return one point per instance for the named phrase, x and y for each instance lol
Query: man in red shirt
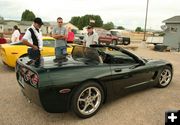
(2, 39)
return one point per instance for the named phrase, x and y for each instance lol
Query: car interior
(104, 55)
(87, 55)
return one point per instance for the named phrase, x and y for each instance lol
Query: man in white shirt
(16, 34)
(33, 39)
(91, 37)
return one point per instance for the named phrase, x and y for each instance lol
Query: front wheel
(87, 100)
(165, 77)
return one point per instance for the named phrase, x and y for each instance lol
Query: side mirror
(141, 62)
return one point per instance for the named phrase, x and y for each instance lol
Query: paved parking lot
(142, 108)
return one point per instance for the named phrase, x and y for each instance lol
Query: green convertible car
(88, 78)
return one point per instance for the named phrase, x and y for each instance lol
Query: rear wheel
(87, 100)
(165, 77)
(114, 42)
(126, 41)
(4, 63)
(107, 43)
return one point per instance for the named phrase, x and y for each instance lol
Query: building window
(173, 29)
(10, 29)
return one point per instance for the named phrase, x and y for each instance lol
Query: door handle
(118, 70)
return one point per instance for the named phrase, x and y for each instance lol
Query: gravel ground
(142, 108)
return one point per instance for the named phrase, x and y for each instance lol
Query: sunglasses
(60, 22)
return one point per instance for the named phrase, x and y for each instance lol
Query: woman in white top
(16, 34)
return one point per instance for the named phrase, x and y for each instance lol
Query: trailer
(154, 40)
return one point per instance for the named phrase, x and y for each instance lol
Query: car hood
(156, 62)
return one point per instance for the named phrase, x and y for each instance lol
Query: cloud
(127, 13)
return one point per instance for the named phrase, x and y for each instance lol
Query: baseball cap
(38, 21)
(89, 27)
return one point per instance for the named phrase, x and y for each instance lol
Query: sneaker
(64, 59)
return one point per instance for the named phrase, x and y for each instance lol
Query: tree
(83, 21)
(98, 21)
(27, 15)
(120, 27)
(108, 26)
(139, 29)
(75, 20)
(1, 18)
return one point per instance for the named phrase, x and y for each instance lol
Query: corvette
(11, 52)
(89, 78)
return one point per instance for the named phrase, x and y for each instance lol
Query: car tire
(126, 41)
(87, 100)
(107, 44)
(4, 63)
(165, 77)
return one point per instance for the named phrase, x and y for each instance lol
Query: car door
(108, 37)
(127, 73)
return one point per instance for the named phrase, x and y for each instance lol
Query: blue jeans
(60, 52)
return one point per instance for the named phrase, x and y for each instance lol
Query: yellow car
(11, 52)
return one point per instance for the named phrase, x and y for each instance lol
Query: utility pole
(144, 39)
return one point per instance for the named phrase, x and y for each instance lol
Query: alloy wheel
(89, 100)
(165, 77)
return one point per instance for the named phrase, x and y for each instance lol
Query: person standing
(60, 34)
(2, 39)
(70, 37)
(91, 37)
(16, 34)
(33, 39)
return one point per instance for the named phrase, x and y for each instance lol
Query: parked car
(122, 39)
(78, 39)
(107, 38)
(11, 52)
(89, 78)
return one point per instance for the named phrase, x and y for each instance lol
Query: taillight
(22, 70)
(27, 76)
(34, 79)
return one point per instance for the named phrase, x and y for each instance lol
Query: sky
(127, 13)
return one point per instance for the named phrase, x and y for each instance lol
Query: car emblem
(63, 91)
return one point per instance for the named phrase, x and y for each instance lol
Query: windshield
(115, 33)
